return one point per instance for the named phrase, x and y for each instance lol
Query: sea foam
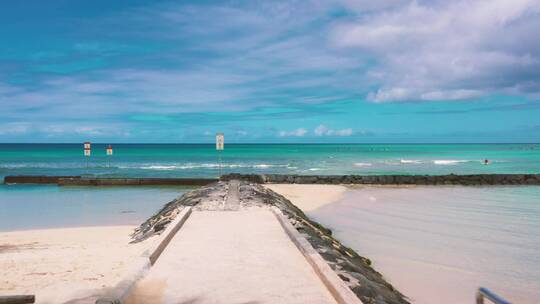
(449, 161)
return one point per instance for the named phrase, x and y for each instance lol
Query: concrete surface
(240, 256)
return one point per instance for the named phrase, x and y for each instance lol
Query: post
(109, 154)
(220, 145)
(87, 151)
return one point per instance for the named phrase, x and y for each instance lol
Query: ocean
(24, 207)
(42, 206)
(202, 160)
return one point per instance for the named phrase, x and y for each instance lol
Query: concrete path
(233, 201)
(241, 256)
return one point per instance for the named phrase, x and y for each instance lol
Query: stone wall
(450, 179)
(35, 179)
(83, 181)
(135, 181)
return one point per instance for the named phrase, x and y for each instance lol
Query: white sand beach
(309, 197)
(63, 264)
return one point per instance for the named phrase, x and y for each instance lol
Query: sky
(335, 71)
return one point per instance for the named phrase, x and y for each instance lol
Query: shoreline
(84, 226)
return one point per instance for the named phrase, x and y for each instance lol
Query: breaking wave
(209, 166)
(410, 161)
(449, 161)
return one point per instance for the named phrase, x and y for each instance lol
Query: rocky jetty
(449, 179)
(214, 193)
(354, 270)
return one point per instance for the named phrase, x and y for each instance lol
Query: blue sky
(270, 71)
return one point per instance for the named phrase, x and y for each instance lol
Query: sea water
(25, 207)
(202, 160)
(439, 244)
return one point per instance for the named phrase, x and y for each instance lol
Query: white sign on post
(87, 148)
(220, 144)
(220, 141)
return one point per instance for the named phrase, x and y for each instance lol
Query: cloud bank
(448, 50)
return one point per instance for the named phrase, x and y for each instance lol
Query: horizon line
(274, 143)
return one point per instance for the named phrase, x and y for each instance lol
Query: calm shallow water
(48, 206)
(438, 244)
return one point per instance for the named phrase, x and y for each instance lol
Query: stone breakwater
(93, 181)
(450, 179)
(356, 271)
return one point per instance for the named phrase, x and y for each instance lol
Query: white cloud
(344, 132)
(323, 130)
(447, 50)
(14, 128)
(407, 94)
(298, 133)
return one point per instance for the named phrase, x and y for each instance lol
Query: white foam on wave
(160, 167)
(263, 166)
(449, 161)
(410, 161)
(362, 164)
(208, 166)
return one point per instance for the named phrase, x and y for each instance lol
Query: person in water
(486, 161)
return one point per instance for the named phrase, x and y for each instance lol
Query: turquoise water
(27, 206)
(191, 160)
(48, 206)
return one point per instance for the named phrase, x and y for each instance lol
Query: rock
(450, 179)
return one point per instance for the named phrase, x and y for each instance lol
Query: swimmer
(486, 161)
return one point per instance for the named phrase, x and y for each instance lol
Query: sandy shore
(58, 265)
(309, 197)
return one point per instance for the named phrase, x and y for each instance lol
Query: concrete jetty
(230, 251)
(239, 256)
(231, 234)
